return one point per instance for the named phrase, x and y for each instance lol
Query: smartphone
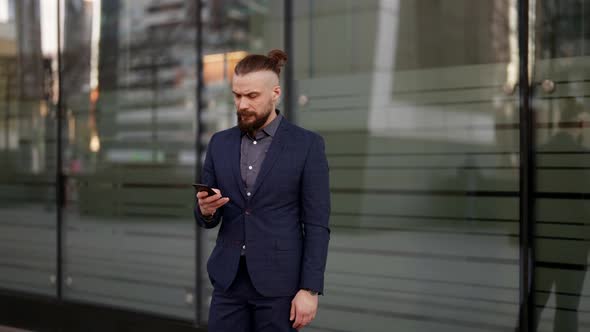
(203, 187)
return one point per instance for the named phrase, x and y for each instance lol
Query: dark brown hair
(274, 61)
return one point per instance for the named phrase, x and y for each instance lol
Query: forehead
(255, 81)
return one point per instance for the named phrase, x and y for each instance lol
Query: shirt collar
(270, 129)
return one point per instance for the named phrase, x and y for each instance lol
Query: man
(272, 205)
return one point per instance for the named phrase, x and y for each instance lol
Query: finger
(210, 199)
(298, 320)
(304, 321)
(219, 203)
(216, 190)
(212, 207)
(292, 316)
(295, 321)
(201, 193)
(202, 197)
(209, 205)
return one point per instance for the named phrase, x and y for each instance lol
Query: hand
(303, 309)
(208, 205)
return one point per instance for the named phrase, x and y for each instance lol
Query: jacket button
(248, 212)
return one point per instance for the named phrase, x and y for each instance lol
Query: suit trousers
(242, 309)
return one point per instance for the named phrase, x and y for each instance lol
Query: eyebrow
(245, 93)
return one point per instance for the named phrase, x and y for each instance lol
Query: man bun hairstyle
(274, 61)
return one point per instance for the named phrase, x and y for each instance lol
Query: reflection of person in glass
(567, 277)
(273, 205)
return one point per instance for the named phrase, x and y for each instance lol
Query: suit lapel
(276, 147)
(235, 151)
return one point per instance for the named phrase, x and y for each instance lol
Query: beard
(259, 120)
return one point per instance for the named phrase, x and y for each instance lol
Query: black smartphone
(203, 187)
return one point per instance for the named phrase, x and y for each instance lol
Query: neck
(272, 116)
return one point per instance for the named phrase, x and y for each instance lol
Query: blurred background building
(460, 196)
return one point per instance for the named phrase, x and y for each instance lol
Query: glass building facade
(456, 133)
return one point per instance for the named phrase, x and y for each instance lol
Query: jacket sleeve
(208, 178)
(315, 205)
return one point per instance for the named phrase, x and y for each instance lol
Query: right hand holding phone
(210, 204)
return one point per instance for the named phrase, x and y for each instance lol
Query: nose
(242, 104)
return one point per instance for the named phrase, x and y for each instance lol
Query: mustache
(244, 112)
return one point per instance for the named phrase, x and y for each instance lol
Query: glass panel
(422, 136)
(561, 88)
(231, 30)
(27, 146)
(129, 90)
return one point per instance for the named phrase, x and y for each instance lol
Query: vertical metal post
(311, 36)
(60, 185)
(288, 76)
(7, 97)
(527, 175)
(199, 106)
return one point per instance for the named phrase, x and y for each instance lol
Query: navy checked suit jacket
(283, 224)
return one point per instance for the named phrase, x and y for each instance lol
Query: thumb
(292, 317)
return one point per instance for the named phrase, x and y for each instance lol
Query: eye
(252, 95)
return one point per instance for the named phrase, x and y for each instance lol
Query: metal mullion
(60, 177)
(200, 104)
(527, 175)
(289, 109)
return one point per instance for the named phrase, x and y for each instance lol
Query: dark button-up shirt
(253, 152)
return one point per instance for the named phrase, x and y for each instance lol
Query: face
(255, 97)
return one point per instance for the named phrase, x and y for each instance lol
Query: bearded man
(272, 206)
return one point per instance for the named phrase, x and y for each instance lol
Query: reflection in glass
(562, 112)
(563, 243)
(27, 150)
(422, 140)
(129, 92)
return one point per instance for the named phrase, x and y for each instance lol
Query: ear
(276, 93)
